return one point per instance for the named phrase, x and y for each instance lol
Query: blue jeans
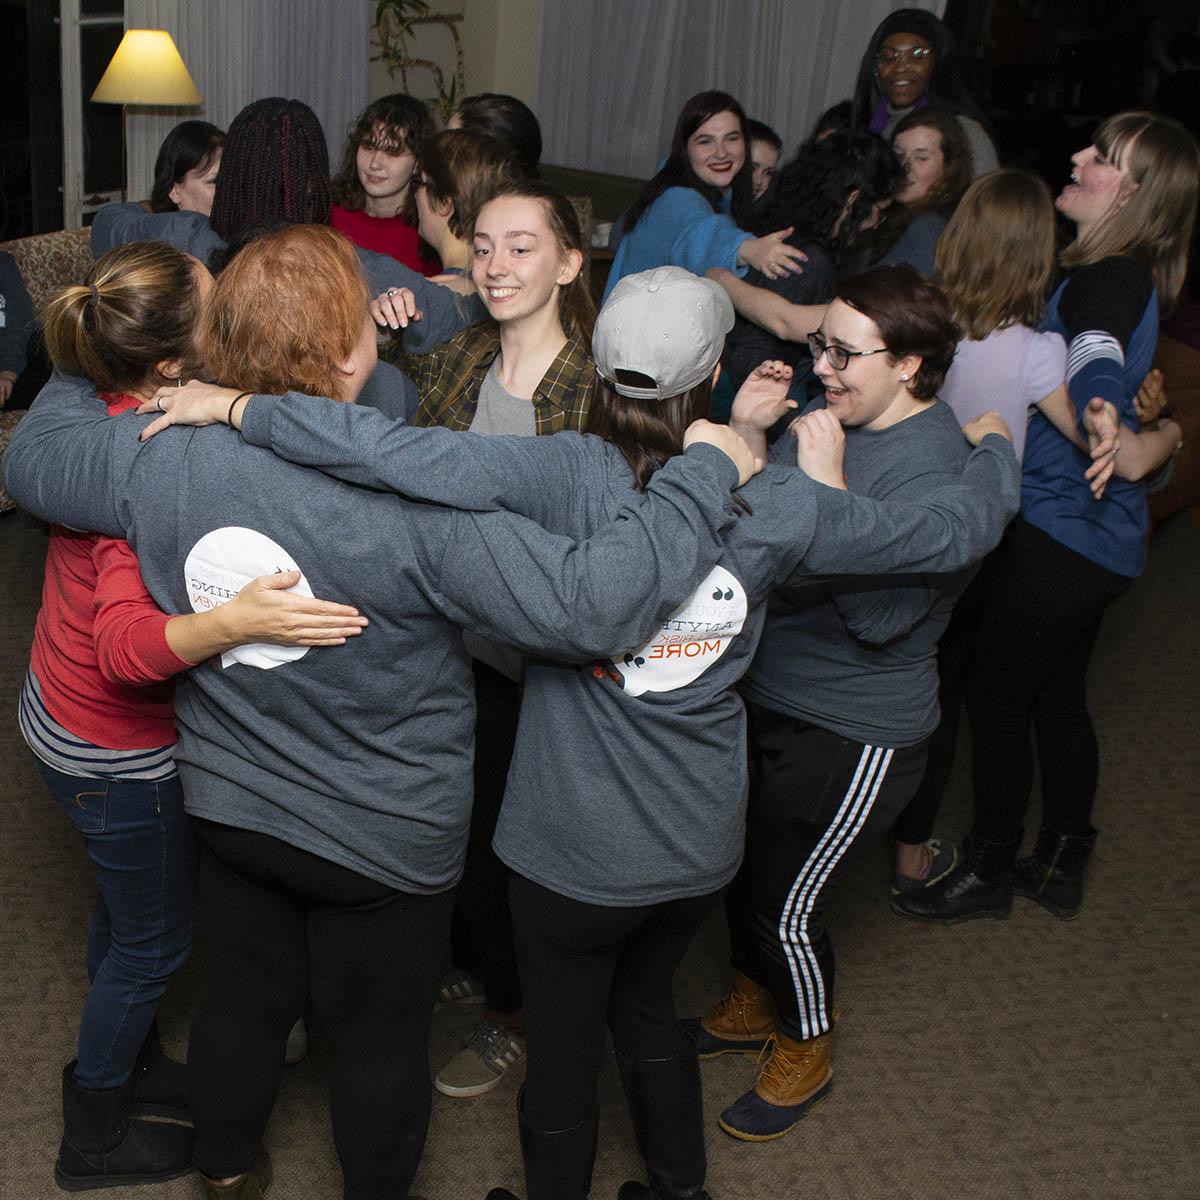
(143, 854)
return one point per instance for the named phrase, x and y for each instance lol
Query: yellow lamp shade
(146, 69)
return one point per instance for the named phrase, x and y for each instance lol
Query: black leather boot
(558, 1163)
(1053, 875)
(980, 886)
(159, 1083)
(667, 1111)
(103, 1147)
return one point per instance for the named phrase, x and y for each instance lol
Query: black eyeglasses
(914, 54)
(838, 356)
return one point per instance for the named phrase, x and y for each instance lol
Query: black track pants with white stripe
(817, 801)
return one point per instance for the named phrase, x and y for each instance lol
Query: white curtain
(243, 50)
(613, 74)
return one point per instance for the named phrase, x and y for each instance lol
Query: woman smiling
(690, 214)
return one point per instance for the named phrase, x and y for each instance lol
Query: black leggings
(481, 937)
(284, 924)
(915, 823)
(1031, 657)
(582, 966)
(817, 801)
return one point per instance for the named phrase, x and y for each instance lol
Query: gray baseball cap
(667, 324)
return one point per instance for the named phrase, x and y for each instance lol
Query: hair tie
(94, 290)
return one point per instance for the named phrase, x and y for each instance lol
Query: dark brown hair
(465, 169)
(677, 170)
(190, 146)
(912, 316)
(511, 122)
(406, 124)
(137, 308)
(647, 432)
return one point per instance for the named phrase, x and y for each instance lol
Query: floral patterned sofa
(48, 262)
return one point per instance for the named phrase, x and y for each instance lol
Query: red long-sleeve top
(100, 647)
(387, 235)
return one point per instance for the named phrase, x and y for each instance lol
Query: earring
(905, 378)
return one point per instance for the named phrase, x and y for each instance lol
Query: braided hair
(276, 164)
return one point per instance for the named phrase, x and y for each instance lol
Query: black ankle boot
(980, 886)
(103, 1147)
(667, 1111)
(1053, 875)
(558, 1163)
(159, 1083)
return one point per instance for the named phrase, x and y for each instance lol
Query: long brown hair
(647, 432)
(1157, 213)
(137, 308)
(285, 312)
(576, 308)
(995, 258)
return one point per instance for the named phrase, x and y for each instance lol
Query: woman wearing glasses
(841, 696)
(911, 62)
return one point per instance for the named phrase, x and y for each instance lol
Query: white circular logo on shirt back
(690, 640)
(220, 564)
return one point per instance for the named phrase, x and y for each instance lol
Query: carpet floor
(996, 1060)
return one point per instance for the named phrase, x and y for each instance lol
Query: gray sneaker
(458, 987)
(490, 1051)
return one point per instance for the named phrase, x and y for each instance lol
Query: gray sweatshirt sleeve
(67, 456)
(527, 475)
(118, 224)
(506, 578)
(879, 608)
(946, 530)
(444, 312)
(16, 316)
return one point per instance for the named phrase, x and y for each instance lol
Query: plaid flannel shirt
(449, 378)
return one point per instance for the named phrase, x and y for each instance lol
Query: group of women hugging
(431, 707)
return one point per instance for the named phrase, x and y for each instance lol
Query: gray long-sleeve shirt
(362, 753)
(444, 311)
(628, 781)
(859, 655)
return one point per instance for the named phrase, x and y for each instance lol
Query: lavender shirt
(1008, 372)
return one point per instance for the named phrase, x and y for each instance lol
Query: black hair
(811, 191)
(275, 164)
(407, 125)
(511, 122)
(759, 131)
(190, 146)
(837, 118)
(677, 170)
(946, 86)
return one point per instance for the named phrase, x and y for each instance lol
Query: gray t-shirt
(360, 754)
(858, 655)
(499, 411)
(628, 782)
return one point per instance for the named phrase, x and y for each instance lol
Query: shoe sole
(987, 914)
(1055, 910)
(460, 1091)
(806, 1106)
(751, 1051)
(88, 1183)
